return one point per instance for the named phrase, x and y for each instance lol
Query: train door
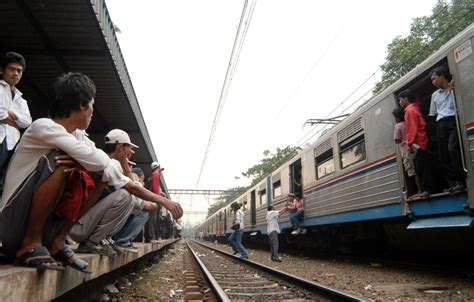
(422, 88)
(296, 185)
(253, 208)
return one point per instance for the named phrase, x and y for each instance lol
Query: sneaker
(114, 245)
(102, 248)
(244, 257)
(235, 253)
(296, 232)
(129, 248)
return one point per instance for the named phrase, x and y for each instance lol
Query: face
(12, 74)
(437, 80)
(86, 115)
(403, 102)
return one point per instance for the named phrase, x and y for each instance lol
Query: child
(399, 135)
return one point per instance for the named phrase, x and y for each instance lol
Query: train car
(353, 181)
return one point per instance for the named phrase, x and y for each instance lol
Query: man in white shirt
(273, 229)
(37, 177)
(110, 213)
(14, 112)
(235, 239)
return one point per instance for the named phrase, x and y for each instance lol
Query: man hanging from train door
(444, 107)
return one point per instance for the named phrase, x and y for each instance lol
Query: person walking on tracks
(235, 239)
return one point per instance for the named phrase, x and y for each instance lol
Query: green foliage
(427, 34)
(256, 173)
(270, 163)
(224, 200)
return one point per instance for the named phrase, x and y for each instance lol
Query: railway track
(232, 278)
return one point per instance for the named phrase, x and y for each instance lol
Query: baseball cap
(154, 165)
(118, 136)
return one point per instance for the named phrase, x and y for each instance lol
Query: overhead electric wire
(361, 85)
(235, 54)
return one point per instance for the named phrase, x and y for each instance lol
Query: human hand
(66, 160)
(150, 207)
(174, 208)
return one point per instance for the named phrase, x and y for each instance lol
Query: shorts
(14, 217)
(408, 163)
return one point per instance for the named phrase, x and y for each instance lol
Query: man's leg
(130, 230)
(104, 219)
(238, 243)
(150, 230)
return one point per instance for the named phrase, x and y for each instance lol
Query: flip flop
(69, 258)
(37, 257)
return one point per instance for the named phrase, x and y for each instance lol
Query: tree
(256, 173)
(224, 200)
(270, 163)
(427, 34)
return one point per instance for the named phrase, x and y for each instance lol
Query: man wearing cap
(136, 221)
(105, 220)
(152, 230)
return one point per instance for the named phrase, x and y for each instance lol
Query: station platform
(29, 284)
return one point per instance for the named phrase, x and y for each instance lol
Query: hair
(399, 113)
(109, 148)
(407, 94)
(138, 171)
(270, 208)
(13, 57)
(69, 92)
(442, 71)
(235, 205)
(297, 195)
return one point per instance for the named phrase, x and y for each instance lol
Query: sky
(300, 60)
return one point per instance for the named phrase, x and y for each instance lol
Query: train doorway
(253, 208)
(422, 88)
(296, 185)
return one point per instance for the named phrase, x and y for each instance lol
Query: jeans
(295, 219)
(131, 229)
(235, 240)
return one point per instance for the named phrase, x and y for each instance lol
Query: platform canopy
(58, 36)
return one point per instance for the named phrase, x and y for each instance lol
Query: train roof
(60, 36)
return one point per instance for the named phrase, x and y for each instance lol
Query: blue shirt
(442, 104)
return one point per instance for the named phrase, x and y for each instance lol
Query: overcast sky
(300, 59)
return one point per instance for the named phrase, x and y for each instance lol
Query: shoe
(276, 259)
(114, 245)
(129, 248)
(425, 194)
(459, 187)
(154, 241)
(102, 248)
(244, 257)
(296, 232)
(235, 253)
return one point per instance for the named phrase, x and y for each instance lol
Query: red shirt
(154, 184)
(416, 127)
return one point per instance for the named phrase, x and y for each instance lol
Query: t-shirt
(400, 132)
(272, 221)
(41, 137)
(239, 218)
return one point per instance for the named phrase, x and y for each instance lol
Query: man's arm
(141, 192)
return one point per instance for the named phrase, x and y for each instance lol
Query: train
(353, 181)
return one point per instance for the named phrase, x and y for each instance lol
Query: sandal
(38, 257)
(69, 258)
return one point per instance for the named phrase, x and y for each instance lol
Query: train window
(324, 164)
(277, 189)
(352, 150)
(263, 195)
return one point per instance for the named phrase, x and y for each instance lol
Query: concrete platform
(29, 284)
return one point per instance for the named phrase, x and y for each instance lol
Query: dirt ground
(373, 281)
